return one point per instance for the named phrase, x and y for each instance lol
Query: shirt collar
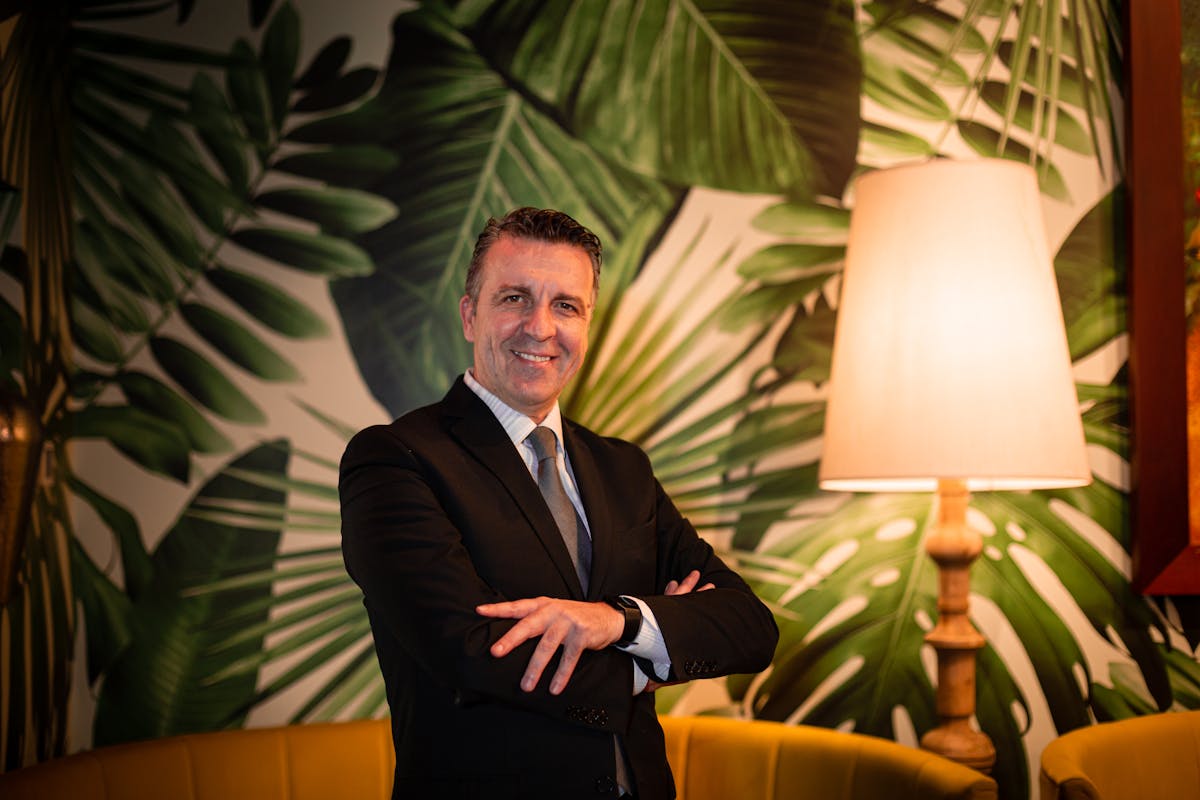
(517, 425)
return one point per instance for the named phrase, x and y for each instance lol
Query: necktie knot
(543, 441)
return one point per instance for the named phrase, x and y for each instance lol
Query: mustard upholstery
(721, 759)
(1155, 757)
(724, 759)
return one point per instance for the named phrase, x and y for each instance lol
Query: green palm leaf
(268, 304)
(1058, 63)
(168, 678)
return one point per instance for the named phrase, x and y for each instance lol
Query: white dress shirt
(649, 643)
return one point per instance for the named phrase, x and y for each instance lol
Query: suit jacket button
(605, 785)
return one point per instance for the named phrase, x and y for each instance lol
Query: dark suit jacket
(440, 514)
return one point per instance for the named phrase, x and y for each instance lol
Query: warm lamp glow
(950, 358)
(951, 372)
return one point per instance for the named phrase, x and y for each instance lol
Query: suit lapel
(596, 504)
(475, 427)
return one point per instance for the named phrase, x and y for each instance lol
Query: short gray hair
(540, 225)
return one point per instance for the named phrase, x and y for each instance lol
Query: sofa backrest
(352, 760)
(712, 758)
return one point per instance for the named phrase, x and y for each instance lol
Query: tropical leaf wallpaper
(257, 216)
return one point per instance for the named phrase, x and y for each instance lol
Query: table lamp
(951, 373)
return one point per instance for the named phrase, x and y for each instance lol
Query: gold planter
(20, 454)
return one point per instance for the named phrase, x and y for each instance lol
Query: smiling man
(528, 582)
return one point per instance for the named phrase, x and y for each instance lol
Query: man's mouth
(530, 357)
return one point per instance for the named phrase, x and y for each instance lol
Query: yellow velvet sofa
(715, 758)
(1155, 757)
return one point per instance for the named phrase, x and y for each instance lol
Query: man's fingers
(684, 586)
(511, 609)
(566, 668)
(538, 661)
(569, 624)
(526, 628)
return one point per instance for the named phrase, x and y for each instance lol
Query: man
(528, 591)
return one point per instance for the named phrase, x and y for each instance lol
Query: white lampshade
(950, 359)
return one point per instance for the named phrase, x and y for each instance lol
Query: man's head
(530, 291)
(540, 225)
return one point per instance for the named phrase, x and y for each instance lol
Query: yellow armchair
(717, 759)
(1156, 757)
(726, 759)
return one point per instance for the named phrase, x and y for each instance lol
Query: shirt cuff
(649, 645)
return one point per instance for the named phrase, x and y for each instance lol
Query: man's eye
(512, 298)
(569, 308)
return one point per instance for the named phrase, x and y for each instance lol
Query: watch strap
(633, 618)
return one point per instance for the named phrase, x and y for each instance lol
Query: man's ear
(466, 310)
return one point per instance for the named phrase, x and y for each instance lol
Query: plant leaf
(791, 72)
(268, 304)
(337, 211)
(154, 443)
(312, 252)
(1067, 132)
(204, 382)
(280, 53)
(214, 122)
(238, 343)
(247, 87)
(327, 64)
(154, 397)
(350, 165)
(126, 46)
(94, 334)
(162, 682)
(338, 92)
(986, 141)
(108, 611)
(1091, 273)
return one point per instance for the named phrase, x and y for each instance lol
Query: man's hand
(573, 625)
(685, 586)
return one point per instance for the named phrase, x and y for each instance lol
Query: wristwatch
(633, 618)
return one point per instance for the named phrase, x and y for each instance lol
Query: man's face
(530, 323)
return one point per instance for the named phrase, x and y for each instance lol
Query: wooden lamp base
(954, 546)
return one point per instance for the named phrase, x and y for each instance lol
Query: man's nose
(539, 324)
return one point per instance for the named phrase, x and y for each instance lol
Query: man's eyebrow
(510, 288)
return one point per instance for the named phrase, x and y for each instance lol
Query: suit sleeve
(722, 631)
(421, 589)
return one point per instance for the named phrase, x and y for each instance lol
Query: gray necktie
(573, 531)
